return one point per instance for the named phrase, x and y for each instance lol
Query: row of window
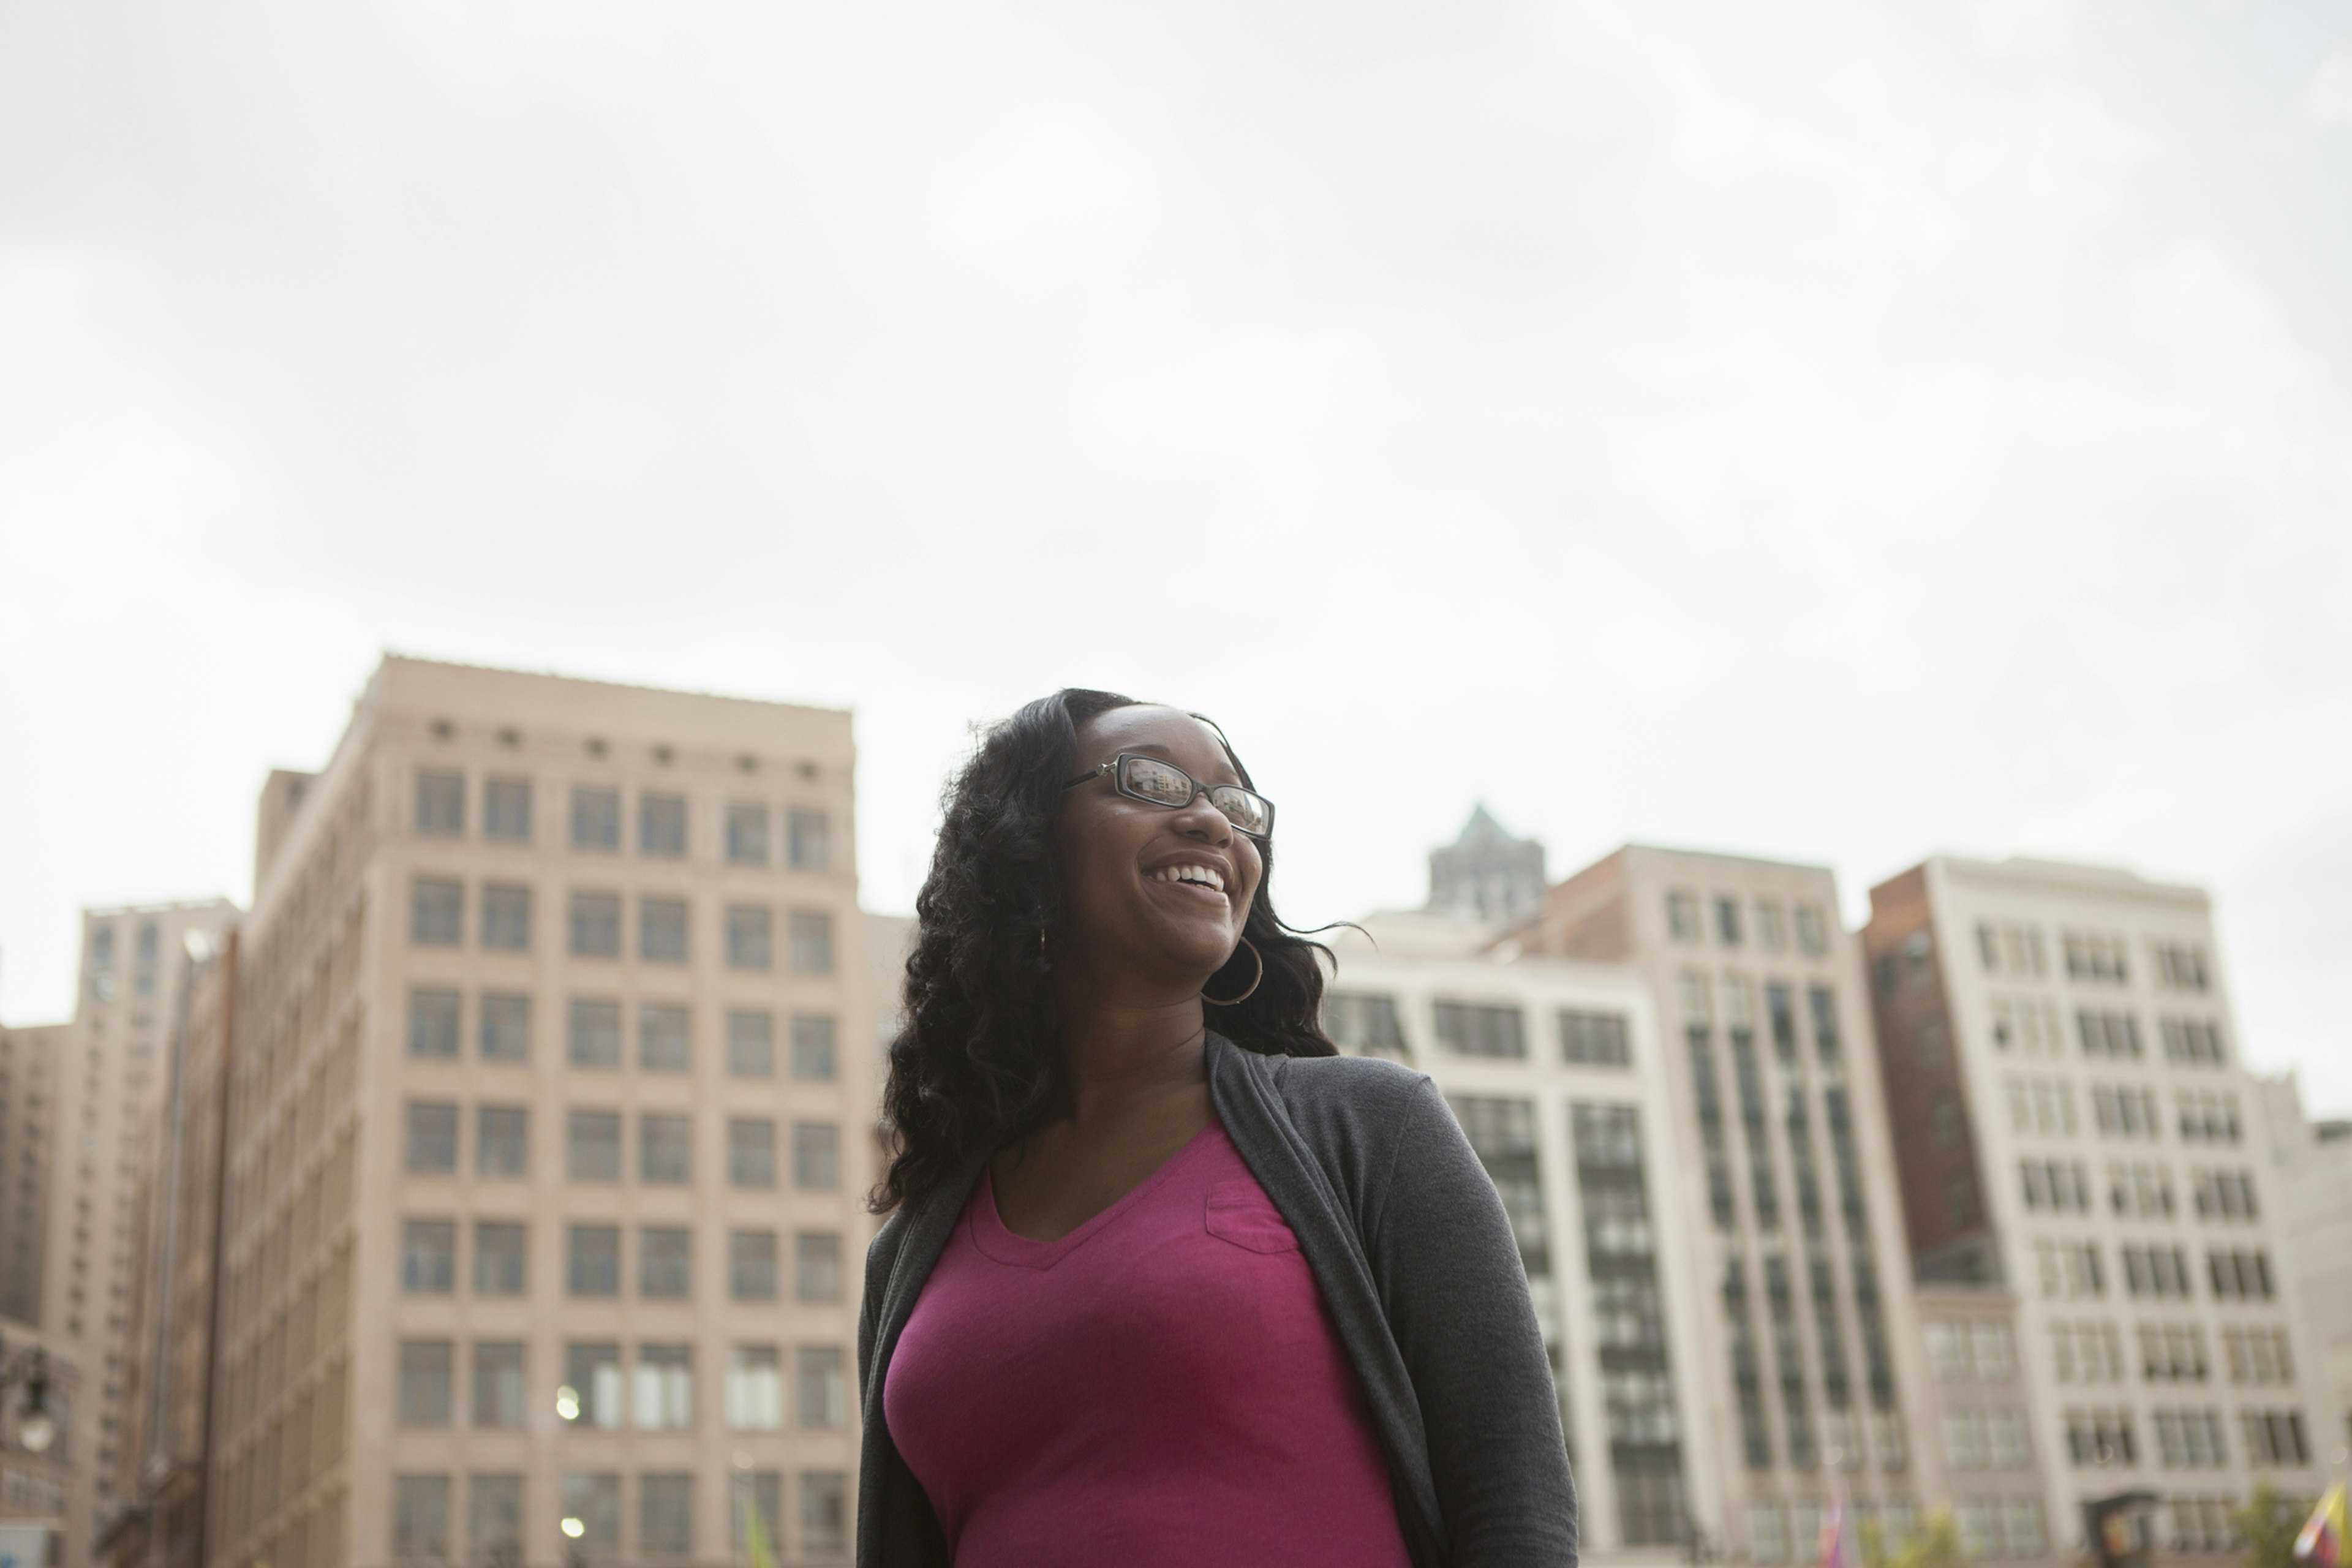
(656, 1395)
(2195, 1042)
(1368, 1023)
(1991, 1439)
(593, 1261)
(591, 1146)
(2092, 1352)
(1729, 920)
(2044, 1107)
(1970, 1352)
(2076, 1269)
(589, 1517)
(592, 1033)
(2138, 1189)
(593, 926)
(2190, 1439)
(596, 818)
(2016, 949)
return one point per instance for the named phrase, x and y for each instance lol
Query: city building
(135, 965)
(159, 1487)
(545, 1159)
(1805, 1368)
(1487, 875)
(2311, 1184)
(29, 1104)
(2057, 1043)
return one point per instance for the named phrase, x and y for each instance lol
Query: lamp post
(36, 1425)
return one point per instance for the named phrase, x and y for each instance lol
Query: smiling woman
(1166, 1280)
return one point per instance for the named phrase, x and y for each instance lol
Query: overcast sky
(1832, 431)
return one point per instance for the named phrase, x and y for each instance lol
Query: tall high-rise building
(547, 1135)
(1804, 1363)
(2081, 1137)
(132, 985)
(28, 1114)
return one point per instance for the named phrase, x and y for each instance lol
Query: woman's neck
(1126, 1053)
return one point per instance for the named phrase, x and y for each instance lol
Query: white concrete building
(2059, 1051)
(2311, 1186)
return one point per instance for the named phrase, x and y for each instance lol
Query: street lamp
(37, 1426)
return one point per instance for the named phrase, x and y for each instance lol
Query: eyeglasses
(1157, 783)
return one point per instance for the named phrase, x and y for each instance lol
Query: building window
(595, 925)
(424, 1395)
(420, 1519)
(751, 1044)
(593, 1260)
(754, 1391)
(1469, 1029)
(593, 1033)
(2274, 1437)
(665, 1037)
(437, 912)
(591, 1514)
(2181, 967)
(1821, 1002)
(501, 1257)
(752, 1151)
(494, 1518)
(824, 1513)
(816, 1266)
(441, 804)
(821, 1372)
(662, 1147)
(428, 1256)
(2111, 1035)
(1812, 936)
(749, 942)
(665, 1391)
(747, 833)
(808, 942)
(661, 930)
(752, 1265)
(595, 818)
(506, 917)
(1771, 926)
(2095, 956)
(2195, 1041)
(592, 1146)
(1364, 1024)
(433, 1023)
(661, 824)
(2239, 1276)
(1597, 1040)
(1501, 1131)
(666, 1515)
(432, 1141)
(810, 844)
(1682, 917)
(505, 810)
(816, 1159)
(813, 1047)
(1727, 921)
(498, 1383)
(505, 1027)
(591, 1394)
(665, 1263)
(501, 1140)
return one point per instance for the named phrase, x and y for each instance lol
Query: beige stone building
(36, 1477)
(1806, 1372)
(2078, 1131)
(2311, 1183)
(133, 986)
(546, 1151)
(28, 1114)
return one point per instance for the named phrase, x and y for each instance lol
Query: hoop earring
(1253, 985)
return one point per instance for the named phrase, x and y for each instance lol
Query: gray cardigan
(1417, 1264)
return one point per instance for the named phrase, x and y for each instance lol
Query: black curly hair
(978, 1061)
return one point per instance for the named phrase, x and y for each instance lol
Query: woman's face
(1119, 859)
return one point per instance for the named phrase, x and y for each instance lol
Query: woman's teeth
(1206, 876)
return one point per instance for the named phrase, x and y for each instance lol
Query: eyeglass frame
(1198, 789)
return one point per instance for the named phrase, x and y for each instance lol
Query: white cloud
(2327, 98)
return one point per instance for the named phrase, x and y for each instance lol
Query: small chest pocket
(1242, 1214)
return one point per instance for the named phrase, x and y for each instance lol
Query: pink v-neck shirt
(1162, 1386)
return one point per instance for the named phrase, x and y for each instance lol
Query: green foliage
(2269, 1524)
(1932, 1541)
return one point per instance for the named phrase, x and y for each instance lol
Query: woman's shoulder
(1354, 1112)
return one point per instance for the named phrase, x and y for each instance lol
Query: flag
(1837, 1550)
(2321, 1544)
(755, 1534)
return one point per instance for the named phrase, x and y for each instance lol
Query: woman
(1166, 1281)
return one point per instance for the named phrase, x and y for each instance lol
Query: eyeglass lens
(1164, 783)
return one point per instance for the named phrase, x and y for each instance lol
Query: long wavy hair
(978, 1061)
